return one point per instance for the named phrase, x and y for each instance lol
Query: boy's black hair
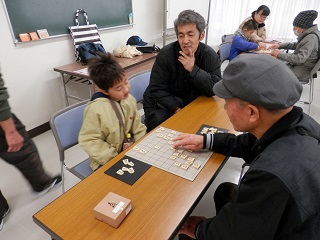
(250, 25)
(105, 71)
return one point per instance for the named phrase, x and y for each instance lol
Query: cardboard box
(112, 209)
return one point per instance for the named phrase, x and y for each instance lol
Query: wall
(35, 89)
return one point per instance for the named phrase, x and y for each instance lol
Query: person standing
(183, 71)
(17, 149)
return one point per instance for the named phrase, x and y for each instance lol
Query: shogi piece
(112, 209)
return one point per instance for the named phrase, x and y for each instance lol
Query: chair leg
(311, 85)
(62, 176)
(310, 97)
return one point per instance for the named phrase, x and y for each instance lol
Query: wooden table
(70, 72)
(161, 201)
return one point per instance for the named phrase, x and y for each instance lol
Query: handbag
(89, 50)
(150, 48)
(82, 34)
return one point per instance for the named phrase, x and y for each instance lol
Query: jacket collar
(285, 124)
(98, 95)
(240, 33)
(260, 25)
(308, 31)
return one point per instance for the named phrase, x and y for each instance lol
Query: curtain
(226, 16)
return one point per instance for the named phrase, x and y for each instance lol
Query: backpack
(89, 50)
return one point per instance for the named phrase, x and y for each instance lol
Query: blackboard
(57, 15)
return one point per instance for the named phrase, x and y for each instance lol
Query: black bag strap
(318, 42)
(113, 104)
(76, 19)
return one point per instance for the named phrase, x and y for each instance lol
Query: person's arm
(13, 138)
(94, 134)
(242, 45)
(225, 143)
(256, 214)
(302, 52)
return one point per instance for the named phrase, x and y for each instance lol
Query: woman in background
(259, 16)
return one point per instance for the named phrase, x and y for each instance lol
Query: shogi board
(156, 150)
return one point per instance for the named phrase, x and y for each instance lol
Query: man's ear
(202, 35)
(254, 113)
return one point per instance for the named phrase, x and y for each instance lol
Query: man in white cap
(278, 197)
(306, 49)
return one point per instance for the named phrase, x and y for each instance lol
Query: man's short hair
(105, 71)
(190, 16)
(261, 80)
(250, 25)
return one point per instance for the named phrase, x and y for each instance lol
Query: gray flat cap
(261, 80)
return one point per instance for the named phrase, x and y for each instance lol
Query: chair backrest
(66, 125)
(139, 82)
(315, 69)
(226, 37)
(224, 50)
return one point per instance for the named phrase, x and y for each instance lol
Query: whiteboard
(174, 7)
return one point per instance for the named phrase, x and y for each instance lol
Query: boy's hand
(262, 46)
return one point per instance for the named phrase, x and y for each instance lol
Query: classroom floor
(19, 224)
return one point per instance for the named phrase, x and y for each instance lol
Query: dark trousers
(225, 193)
(154, 117)
(27, 160)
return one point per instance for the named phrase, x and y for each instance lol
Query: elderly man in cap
(306, 49)
(278, 197)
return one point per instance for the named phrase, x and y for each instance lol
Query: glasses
(263, 17)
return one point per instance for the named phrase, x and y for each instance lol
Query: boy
(102, 135)
(241, 40)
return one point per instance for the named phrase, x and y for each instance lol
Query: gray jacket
(305, 54)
